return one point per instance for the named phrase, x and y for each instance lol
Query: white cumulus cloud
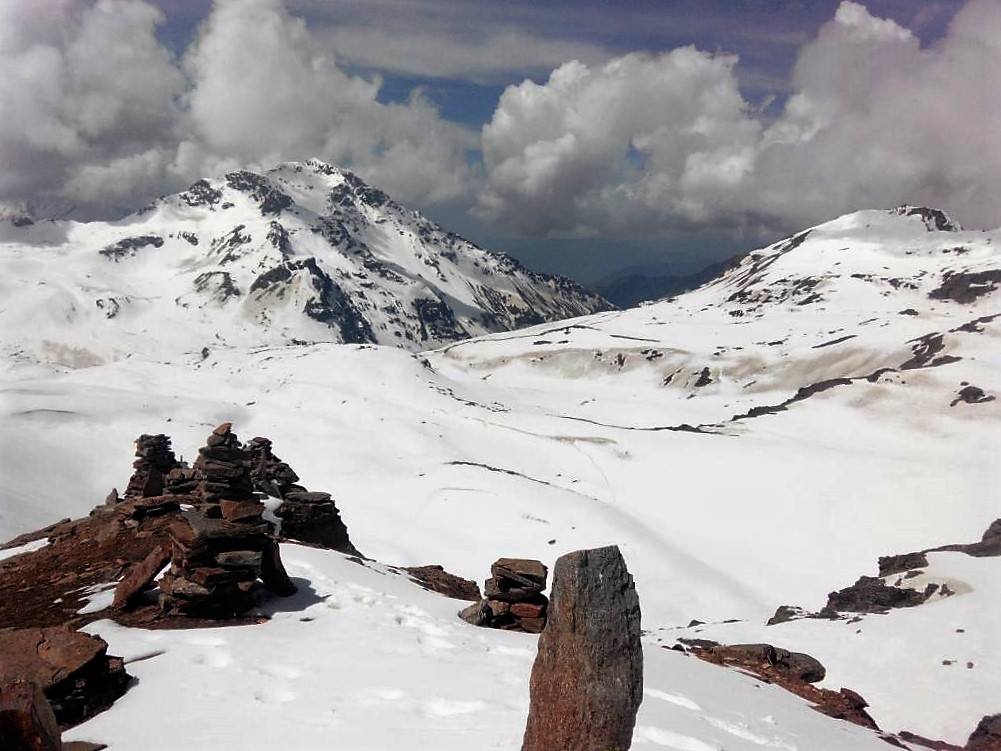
(654, 143)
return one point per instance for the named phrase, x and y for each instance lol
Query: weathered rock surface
(26, 719)
(313, 518)
(140, 577)
(987, 735)
(437, 579)
(587, 681)
(73, 669)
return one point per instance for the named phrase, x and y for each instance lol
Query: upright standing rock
(154, 461)
(587, 681)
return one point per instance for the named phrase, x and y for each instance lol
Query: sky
(584, 137)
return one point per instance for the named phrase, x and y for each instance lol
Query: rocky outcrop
(437, 579)
(587, 681)
(796, 672)
(513, 598)
(26, 719)
(71, 668)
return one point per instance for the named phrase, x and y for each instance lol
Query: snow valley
(758, 442)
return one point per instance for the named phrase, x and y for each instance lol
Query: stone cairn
(154, 461)
(220, 548)
(513, 597)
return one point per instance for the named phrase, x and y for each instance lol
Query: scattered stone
(26, 719)
(73, 669)
(786, 613)
(871, 594)
(587, 680)
(437, 579)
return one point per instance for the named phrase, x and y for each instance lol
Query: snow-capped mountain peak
(303, 252)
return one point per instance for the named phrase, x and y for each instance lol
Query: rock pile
(313, 518)
(437, 579)
(154, 461)
(587, 680)
(513, 598)
(987, 735)
(220, 549)
(269, 474)
(223, 468)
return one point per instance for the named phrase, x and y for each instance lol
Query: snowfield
(757, 442)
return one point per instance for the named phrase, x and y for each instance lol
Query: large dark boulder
(587, 681)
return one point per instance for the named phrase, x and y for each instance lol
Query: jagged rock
(587, 681)
(477, 614)
(437, 579)
(140, 577)
(73, 669)
(154, 460)
(987, 735)
(786, 613)
(27, 722)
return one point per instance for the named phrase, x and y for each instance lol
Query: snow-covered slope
(304, 252)
(757, 442)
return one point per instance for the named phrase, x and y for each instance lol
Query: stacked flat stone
(220, 549)
(513, 597)
(270, 474)
(154, 461)
(312, 517)
(223, 469)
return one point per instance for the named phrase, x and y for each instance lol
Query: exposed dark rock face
(270, 474)
(966, 287)
(987, 735)
(437, 579)
(154, 461)
(871, 594)
(971, 395)
(924, 349)
(587, 681)
(129, 246)
(73, 669)
(513, 597)
(26, 719)
(934, 219)
(201, 193)
(269, 198)
(437, 321)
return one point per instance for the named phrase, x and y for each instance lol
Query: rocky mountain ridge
(304, 252)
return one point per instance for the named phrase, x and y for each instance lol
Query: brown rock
(527, 609)
(587, 681)
(477, 614)
(273, 571)
(987, 736)
(72, 668)
(524, 571)
(437, 579)
(241, 510)
(140, 577)
(26, 719)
